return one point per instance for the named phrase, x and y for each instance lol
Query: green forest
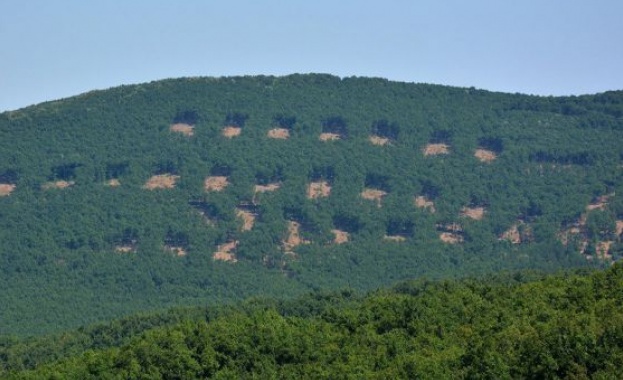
(524, 325)
(208, 191)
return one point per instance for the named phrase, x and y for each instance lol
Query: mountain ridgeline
(210, 190)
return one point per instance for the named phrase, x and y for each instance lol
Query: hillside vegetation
(519, 327)
(209, 190)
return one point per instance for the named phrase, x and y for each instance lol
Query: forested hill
(506, 327)
(210, 190)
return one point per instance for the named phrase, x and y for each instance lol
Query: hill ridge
(497, 162)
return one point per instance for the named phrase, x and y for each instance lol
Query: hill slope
(564, 326)
(207, 190)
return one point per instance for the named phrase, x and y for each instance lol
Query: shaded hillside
(563, 326)
(207, 190)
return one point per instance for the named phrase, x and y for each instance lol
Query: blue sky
(58, 48)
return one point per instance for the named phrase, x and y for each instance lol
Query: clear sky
(52, 49)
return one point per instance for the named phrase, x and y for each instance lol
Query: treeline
(511, 326)
(82, 239)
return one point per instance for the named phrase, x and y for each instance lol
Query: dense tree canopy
(210, 190)
(521, 326)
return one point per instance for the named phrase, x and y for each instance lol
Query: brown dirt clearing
(294, 238)
(6, 189)
(230, 132)
(161, 181)
(329, 136)
(435, 149)
(603, 250)
(113, 182)
(224, 252)
(185, 129)
(279, 133)
(374, 195)
(396, 238)
(125, 249)
(450, 227)
(378, 140)
(318, 189)
(215, 183)
(485, 155)
(512, 235)
(58, 185)
(266, 188)
(177, 251)
(248, 219)
(341, 237)
(450, 238)
(476, 213)
(422, 202)
(599, 204)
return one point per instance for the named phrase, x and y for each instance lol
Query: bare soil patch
(126, 248)
(113, 182)
(485, 155)
(603, 250)
(599, 204)
(378, 140)
(267, 188)
(450, 238)
(374, 195)
(422, 202)
(435, 149)
(6, 189)
(450, 227)
(396, 238)
(183, 128)
(451, 233)
(248, 219)
(224, 256)
(161, 181)
(512, 235)
(231, 131)
(326, 136)
(341, 237)
(58, 185)
(294, 238)
(279, 133)
(224, 252)
(264, 189)
(177, 251)
(476, 213)
(215, 183)
(318, 189)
